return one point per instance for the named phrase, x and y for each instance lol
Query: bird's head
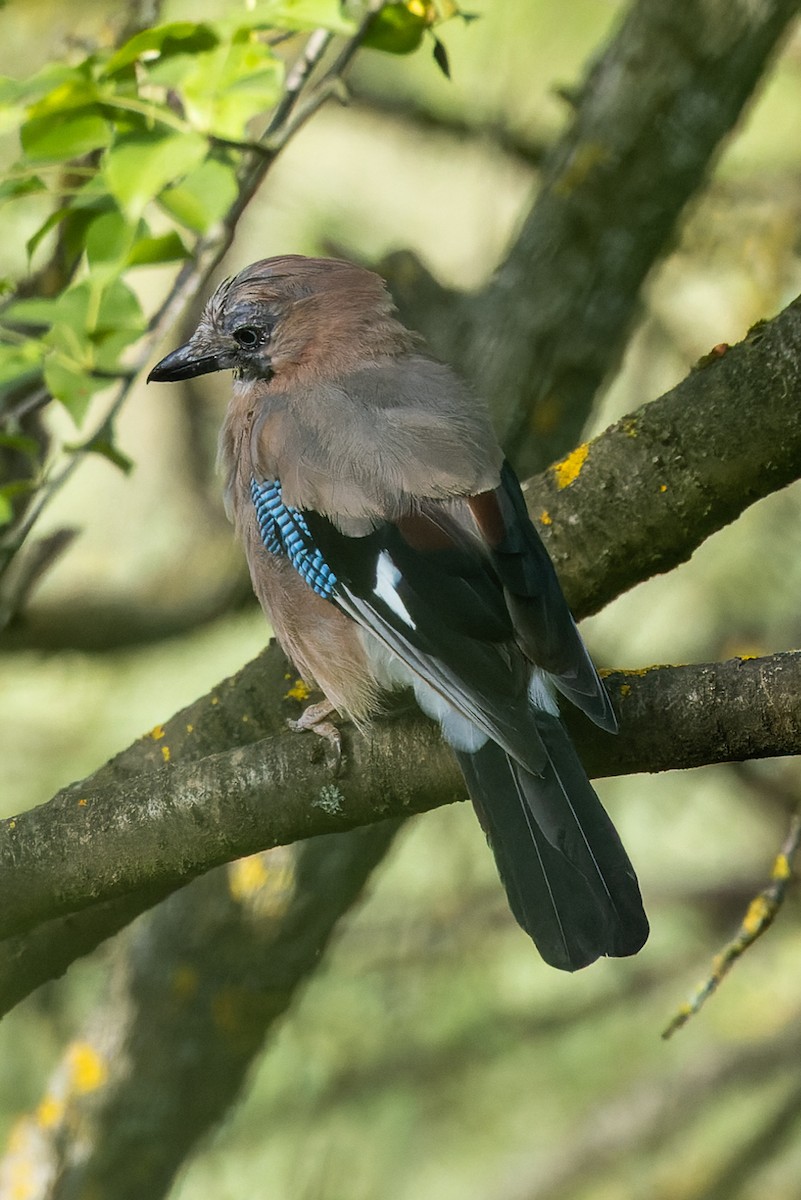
(289, 313)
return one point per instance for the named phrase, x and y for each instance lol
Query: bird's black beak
(185, 363)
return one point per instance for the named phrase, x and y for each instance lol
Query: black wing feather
(457, 616)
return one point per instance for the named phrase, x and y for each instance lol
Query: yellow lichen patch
(49, 1111)
(781, 868)
(82, 803)
(629, 427)
(568, 470)
(641, 672)
(190, 729)
(215, 699)
(625, 689)
(165, 753)
(663, 487)
(12, 824)
(545, 517)
(245, 719)
(758, 913)
(184, 982)
(298, 691)
(87, 1069)
(246, 876)
(584, 159)
(157, 733)
(264, 883)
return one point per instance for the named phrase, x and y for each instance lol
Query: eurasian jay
(389, 545)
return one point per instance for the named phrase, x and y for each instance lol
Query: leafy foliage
(136, 152)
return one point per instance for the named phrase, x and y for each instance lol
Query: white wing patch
(541, 692)
(387, 578)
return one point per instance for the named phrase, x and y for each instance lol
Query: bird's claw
(314, 719)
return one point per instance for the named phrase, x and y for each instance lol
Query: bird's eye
(249, 337)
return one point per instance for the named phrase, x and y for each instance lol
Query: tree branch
(650, 118)
(157, 830)
(640, 498)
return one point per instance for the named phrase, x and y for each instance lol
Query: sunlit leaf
(32, 88)
(299, 14)
(166, 247)
(398, 28)
(119, 309)
(32, 311)
(175, 37)
(138, 168)
(109, 238)
(204, 196)
(25, 185)
(20, 361)
(46, 139)
(77, 90)
(70, 384)
(228, 87)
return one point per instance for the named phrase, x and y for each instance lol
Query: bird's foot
(314, 719)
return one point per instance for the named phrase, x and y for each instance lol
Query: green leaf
(119, 309)
(441, 58)
(46, 139)
(226, 88)
(36, 310)
(93, 322)
(397, 28)
(106, 447)
(20, 361)
(109, 239)
(138, 168)
(203, 198)
(27, 91)
(6, 508)
(166, 247)
(50, 222)
(77, 90)
(71, 385)
(26, 184)
(298, 14)
(163, 41)
(22, 444)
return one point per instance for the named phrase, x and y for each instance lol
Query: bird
(389, 543)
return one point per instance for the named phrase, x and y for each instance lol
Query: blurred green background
(434, 1055)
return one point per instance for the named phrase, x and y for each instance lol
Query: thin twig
(315, 48)
(760, 915)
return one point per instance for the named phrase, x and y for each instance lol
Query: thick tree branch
(159, 829)
(639, 499)
(650, 118)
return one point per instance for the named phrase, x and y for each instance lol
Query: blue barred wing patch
(284, 531)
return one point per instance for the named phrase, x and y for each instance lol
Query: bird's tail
(569, 881)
